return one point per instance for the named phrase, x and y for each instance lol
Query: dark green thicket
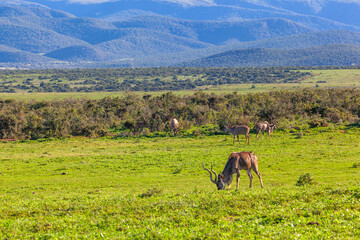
(134, 114)
(140, 79)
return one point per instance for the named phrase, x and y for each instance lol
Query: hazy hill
(323, 15)
(336, 54)
(305, 40)
(341, 11)
(138, 33)
(35, 39)
(142, 42)
(78, 53)
(216, 32)
(12, 55)
(38, 29)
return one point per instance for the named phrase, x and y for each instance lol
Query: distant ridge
(77, 53)
(127, 14)
(325, 15)
(328, 55)
(305, 40)
(218, 32)
(11, 55)
(141, 35)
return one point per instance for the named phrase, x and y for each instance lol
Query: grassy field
(349, 78)
(155, 188)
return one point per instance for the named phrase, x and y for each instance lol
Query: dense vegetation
(133, 114)
(140, 79)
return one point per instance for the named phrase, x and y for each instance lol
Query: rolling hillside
(11, 55)
(217, 32)
(306, 40)
(323, 15)
(147, 37)
(327, 55)
(142, 42)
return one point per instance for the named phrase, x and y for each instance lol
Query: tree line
(140, 79)
(147, 114)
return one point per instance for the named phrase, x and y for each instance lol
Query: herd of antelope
(244, 130)
(237, 161)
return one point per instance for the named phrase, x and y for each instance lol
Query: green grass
(138, 188)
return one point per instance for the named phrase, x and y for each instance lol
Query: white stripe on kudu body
(236, 130)
(236, 162)
(264, 127)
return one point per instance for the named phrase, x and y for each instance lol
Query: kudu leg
(238, 138)
(247, 138)
(250, 176)
(237, 178)
(259, 175)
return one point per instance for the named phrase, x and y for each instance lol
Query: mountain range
(124, 33)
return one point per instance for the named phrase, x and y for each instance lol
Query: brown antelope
(236, 130)
(237, 161)
(264, 127)
(174, 125)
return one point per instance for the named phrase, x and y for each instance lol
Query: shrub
(305, 179)
(300, 135)
(150, 192)
(356, 165)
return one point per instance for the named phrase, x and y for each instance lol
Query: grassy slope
(334, 78)
(155, 188)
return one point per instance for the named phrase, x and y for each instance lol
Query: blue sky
(210, 2)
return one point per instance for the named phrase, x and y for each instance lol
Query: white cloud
(90, 1)
(182, 2)
(191, 2)
(347, 1)
(322, 2)
(315, 3)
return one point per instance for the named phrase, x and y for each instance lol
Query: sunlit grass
(156, 188)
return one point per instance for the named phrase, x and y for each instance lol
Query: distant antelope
(237, 161)
(236, 130)
(264, 127)
(174, 125)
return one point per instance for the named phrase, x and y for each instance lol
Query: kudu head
(219, 179)
(227, 129)
(272, 127)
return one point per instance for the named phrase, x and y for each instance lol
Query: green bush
(305, 179)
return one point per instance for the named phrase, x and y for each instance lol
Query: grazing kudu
(237, 161)
(174, 125)
(264, 127)
(236, 130)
